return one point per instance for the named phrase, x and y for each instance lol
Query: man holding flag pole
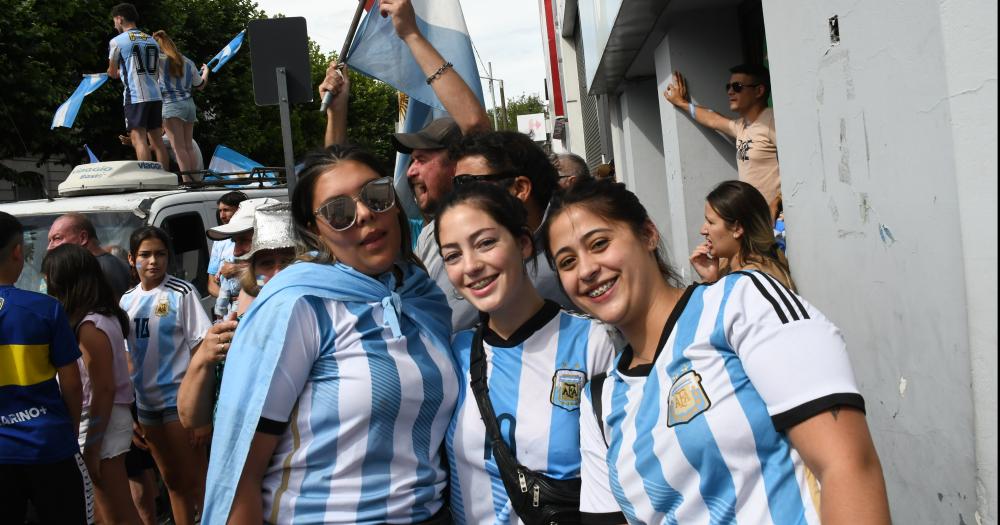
(456, 88)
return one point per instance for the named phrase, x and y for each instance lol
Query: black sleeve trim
(272, 427)
(608, 518)
(790, 418)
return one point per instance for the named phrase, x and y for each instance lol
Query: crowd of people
(531, 357)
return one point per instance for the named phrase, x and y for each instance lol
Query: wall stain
(844, 169)
(868, 155)
(844, 234)
(886, 234)
(865, 207)
(834, 212)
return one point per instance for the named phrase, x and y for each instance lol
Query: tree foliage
(522, 105)
(46, 45)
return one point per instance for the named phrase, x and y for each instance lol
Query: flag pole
(342, 57)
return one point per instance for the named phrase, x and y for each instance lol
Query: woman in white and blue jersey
(177, 78)
(168, 323)
(729, 397)
(339, 385)
(537, 358)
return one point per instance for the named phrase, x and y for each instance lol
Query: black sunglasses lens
(735, 86)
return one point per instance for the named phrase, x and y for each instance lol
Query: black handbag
(536, 498)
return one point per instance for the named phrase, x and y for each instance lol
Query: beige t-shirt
(757, 154)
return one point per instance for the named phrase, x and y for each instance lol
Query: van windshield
(113, 230)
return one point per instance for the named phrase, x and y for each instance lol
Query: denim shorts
(182, 109)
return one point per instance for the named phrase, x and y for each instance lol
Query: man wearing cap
(240, 230)
(431, 171)
(220, 264)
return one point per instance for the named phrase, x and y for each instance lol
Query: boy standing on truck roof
(134, 57)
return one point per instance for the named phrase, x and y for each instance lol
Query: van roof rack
(262, 176)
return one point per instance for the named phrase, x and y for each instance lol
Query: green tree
(522, 105)
(46, 45)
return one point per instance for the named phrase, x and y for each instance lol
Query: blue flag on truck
(66, 113)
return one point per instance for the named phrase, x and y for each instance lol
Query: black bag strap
(506, 461)
(596, 397)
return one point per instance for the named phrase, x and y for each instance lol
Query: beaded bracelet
(437, 74)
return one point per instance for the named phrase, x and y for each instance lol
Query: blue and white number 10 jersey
(138, 59)
(699, 435)
(168, 322)
(536, 379)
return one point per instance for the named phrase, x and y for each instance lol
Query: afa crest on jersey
(687, 399)
(567, 385)
(162, 307)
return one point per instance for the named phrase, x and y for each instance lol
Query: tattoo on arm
(835, 412)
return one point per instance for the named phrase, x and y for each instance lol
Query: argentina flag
(66, 113)
(227, 52)
(380, 54)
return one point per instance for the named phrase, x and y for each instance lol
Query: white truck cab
(120, 196)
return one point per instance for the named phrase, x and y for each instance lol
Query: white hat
(242, 220)
(272, 229)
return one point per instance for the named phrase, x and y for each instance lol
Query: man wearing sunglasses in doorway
(748, 89)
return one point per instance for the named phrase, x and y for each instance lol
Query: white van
(119, 197)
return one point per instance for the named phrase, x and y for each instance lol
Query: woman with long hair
(728, 397)
(178, 76)
(739, 236)
(534, 357)
(339, 384)
(74, 277)
(168, 323)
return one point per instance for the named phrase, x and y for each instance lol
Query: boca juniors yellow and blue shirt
(35, 340)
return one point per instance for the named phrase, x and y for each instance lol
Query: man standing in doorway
(756, 146)
(133, 56)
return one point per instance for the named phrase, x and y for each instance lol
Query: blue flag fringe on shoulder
(66, 113)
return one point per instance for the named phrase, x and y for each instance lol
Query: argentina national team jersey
(535, 381)
(366, 412)
(167, 323)
(176, 89)
(699, 435)
(137, 58)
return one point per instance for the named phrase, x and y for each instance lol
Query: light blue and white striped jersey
(698, 435)
(167, 323)
(176, 89)
(366, 412)
(535, 381)
(138, 58)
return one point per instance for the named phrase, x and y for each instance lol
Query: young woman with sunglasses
(738, 235)
(535, 358)
(342, 365)
(74, 277)
(727, 396)
(168, 324)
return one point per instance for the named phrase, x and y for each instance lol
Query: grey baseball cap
(439, 134)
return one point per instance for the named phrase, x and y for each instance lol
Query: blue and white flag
(227, 52)
(380, 54)
(90, 154)
(226, 161)
(66, 113)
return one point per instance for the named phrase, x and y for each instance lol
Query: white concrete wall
(969, 33)
(888, 154)
(642, 168)
(702, 45)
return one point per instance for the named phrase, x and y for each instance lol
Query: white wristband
(691, 107)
